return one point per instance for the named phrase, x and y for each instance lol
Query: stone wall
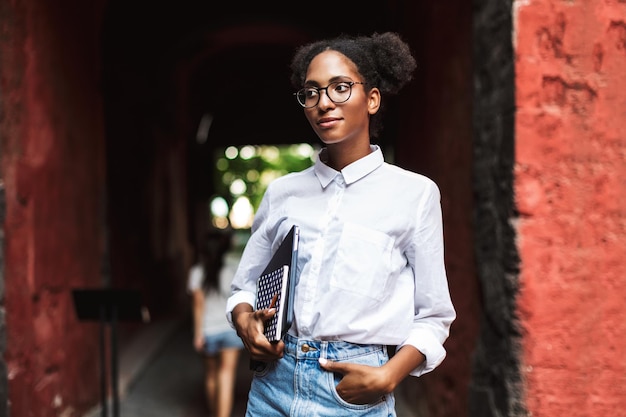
(496, 388)
(53, 175)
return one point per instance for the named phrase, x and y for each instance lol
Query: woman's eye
(310, 92)
(342, 87)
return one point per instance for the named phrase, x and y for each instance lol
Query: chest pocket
(363, 262)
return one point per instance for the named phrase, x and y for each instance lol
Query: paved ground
(172, 384)
(161, 376)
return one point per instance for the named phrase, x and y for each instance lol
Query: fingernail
(322, 361)
(271, 310)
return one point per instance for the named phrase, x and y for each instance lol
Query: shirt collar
(351, 173)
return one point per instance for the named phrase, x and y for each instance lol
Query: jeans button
(305, 348)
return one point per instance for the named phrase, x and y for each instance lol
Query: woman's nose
(325, 101)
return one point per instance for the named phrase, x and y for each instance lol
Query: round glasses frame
(334, 93)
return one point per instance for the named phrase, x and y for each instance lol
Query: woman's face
(340, 122)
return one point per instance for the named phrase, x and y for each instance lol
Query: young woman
(371, 263)
(208, 283)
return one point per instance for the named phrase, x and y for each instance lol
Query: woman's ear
(373, 101)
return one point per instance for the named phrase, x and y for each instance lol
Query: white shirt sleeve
(434, 312)
(255, 255)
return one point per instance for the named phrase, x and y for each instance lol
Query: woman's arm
(197, 299)
(434, 312)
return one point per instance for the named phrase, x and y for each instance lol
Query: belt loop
(324, 349)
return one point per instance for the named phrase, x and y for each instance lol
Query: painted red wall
(571, 193)
(52, 165)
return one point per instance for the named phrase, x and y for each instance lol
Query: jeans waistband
(330, 349)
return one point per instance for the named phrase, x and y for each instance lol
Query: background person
(209, 285)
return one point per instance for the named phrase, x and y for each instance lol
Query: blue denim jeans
(297, 386)
(215, 343)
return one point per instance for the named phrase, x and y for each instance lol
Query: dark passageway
(166, 67)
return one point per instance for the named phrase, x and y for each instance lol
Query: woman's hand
(249, 325)
(361, 384)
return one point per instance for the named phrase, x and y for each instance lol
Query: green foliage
(256, 167)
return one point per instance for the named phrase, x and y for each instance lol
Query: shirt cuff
(238, 298)
(430, 347)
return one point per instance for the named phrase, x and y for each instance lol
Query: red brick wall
(52, 165)
(571, 193)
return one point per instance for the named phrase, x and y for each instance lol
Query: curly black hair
(383, 60)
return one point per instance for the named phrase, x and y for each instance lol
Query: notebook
(276, 286)
(271, 292)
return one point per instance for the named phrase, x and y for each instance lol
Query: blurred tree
(246, 171)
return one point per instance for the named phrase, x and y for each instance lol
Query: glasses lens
(339, 92)
(308, 97)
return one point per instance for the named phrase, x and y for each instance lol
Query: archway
(166, 67)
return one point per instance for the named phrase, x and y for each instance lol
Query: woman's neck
(340, 155)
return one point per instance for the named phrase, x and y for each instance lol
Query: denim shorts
(214, 343)
(296, 385)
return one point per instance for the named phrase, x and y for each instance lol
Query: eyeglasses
(337, 92)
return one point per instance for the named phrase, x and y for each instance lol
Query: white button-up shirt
(371, 257)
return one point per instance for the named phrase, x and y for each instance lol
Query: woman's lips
(327, 122)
